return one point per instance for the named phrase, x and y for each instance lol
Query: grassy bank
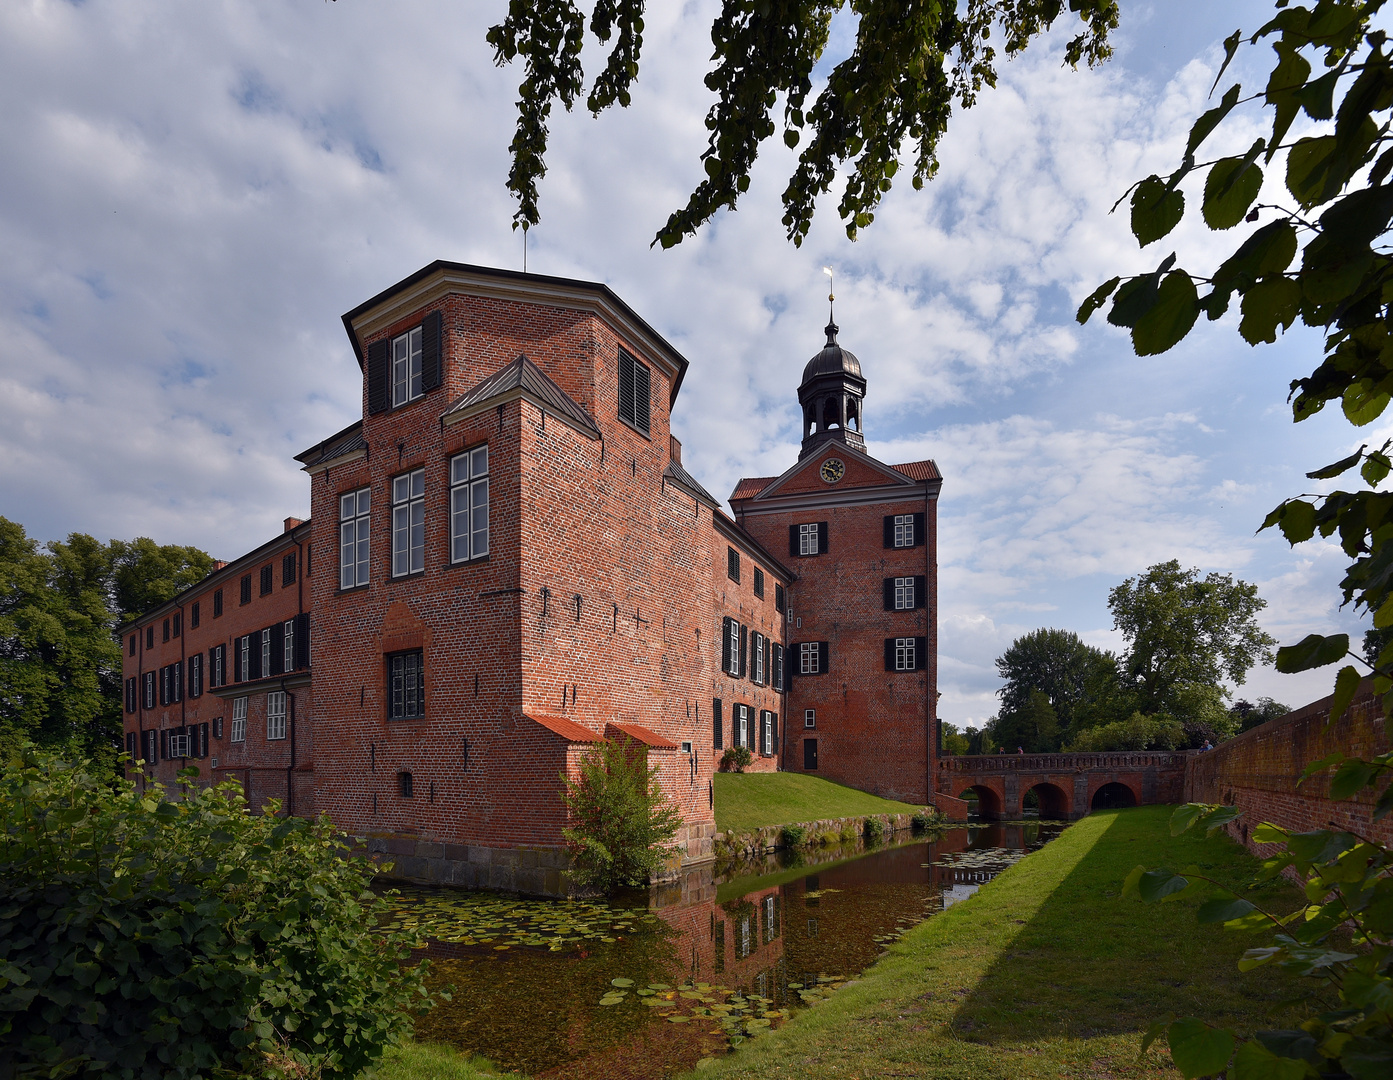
(1046, 972)
(426, 1061)
(746, 801)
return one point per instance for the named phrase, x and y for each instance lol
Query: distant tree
(1182, 629)
(1034, 728)
(1057, 664)
(1247, 716)
(954, 741)
(1137, 732)
(144, 573)
(1375, 641)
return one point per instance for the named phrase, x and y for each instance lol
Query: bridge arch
(1114, 795)
(1053, 799)
(988, 801)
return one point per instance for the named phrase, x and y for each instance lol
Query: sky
(191, 195)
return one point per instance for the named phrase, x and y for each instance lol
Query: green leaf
(1220, 816)
(1209, 120)
(1312, 651)
(1095, 300)
(1375, 470)
(1198, 1049)
(1343, 465)
(1231, 44)
(1131, 883)
(1170, 318)
(1156, 885)
(1363, 402)
(1308, 163)
(1267, 833)
(1231, 187)
(1351, 778)
(1185, 816)
(1346, 683)
(1156, 210)
(1221, 910)
(1253, 1061)
(1152, 1033)
(1274, 300)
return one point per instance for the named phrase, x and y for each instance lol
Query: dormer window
(406, 367)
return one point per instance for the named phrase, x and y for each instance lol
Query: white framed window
(355, 510)
(288, 656)
(179, 746)
(742, 725)
(904, 594)
(469, 505)
(810, 718)
(733, 645)
(768, 732)
(266, 652)
(409, 523)
(406, 367)
(408, 686)
(904, 530)
(239, 720)
(196, 675)
(809, 658)
(275, 714)
(904, 654)
(757, 647)
(244, 645)
(148, 689)
(217, 666)
(807, 539)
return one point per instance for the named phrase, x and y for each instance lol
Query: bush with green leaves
(736, 759)
(927, 819)
(873, 829)
(144, 934)
(1137, 732)
(792, 836)
(621, 824)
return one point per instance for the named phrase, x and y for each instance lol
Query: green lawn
(1046, 972)
(746, 801)
(426, 1061)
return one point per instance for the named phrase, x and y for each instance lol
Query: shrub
(926, 819)
(620, 822)
(1135, 733)
(874, 830)
(829, 838)
(792, 836)
(848, 833)
(736, 759)
(143, 936)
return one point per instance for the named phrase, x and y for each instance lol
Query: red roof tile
(751, 486)
(567, 729)
(641, 734)
(919, 470)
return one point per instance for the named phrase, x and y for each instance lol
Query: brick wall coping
(1124, 759)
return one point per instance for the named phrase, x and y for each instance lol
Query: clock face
(832, 470)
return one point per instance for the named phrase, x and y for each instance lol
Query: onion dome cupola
(831, 394)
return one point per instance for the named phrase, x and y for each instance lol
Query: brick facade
(459, 670)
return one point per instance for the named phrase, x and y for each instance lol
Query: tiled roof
(750, 486)
(567, 729)
(523, 373)
(641, 734)
(674, 471)
(335, 446)
(919, 470)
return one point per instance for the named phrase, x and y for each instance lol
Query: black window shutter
(238, 675)
(744, 650)
(432, 330)
(379, 375)
(726, 665)
(889, 654)
(822, 658)
(277, 649)
(889, 594)
(921, 591)
(793, 539)
(921, 653)
(780, 599)
(774, 729)
(626, 387)
(642, 389)
(919, 537)
(822, 538)
(302, 641)
(164, 744)
(889, 530)
(202, 740)
(256, 671)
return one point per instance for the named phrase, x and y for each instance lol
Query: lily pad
(621, 982)
(678, 1019)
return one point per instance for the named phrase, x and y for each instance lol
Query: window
(179, 744)
(178, 623)
(265, 668)
(217, 603)
(757, 642)
(244, 658)
(759, 582)
(904, 530)
(633, 392)
(810, 718)
(906, 653)
(275, 714)
(686, 746)
(166, 630)
(217, 727)
(717, 721)
(767, 731)
(148, 690)
(776, 660)
(246, 592)
(469, 505)
(409, 523)
(809, 539)
(405, 788)
(406, 367)
(132, 694)
(196, 675)
(288, 653)
(742, 726)
(133, 644)
(904, 593)
(354, 511)
(780, 598)
(217, 665)
(407, 698)
(239, 720)
(734, 640)
(812, 658)
(732, 564)
(267, 579)
(193, 616)
(288, 569)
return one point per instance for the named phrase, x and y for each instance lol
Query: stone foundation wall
(762, 841)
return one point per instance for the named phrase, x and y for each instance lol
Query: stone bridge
(1067, 786)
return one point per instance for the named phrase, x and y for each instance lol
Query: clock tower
(831, 394)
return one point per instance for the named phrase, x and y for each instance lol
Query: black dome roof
(833, 360)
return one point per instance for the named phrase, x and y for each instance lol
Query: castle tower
(831, 393)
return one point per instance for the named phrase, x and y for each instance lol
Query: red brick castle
(507, 563)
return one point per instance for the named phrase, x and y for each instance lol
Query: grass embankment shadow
(1046, 972)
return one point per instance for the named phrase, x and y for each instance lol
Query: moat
(646, 986)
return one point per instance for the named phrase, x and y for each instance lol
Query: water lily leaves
(659, 986)
(621, 982)
(656, 1002)
(612, 998)
(678, 1019)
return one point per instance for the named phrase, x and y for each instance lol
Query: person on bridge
(1020, 750)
